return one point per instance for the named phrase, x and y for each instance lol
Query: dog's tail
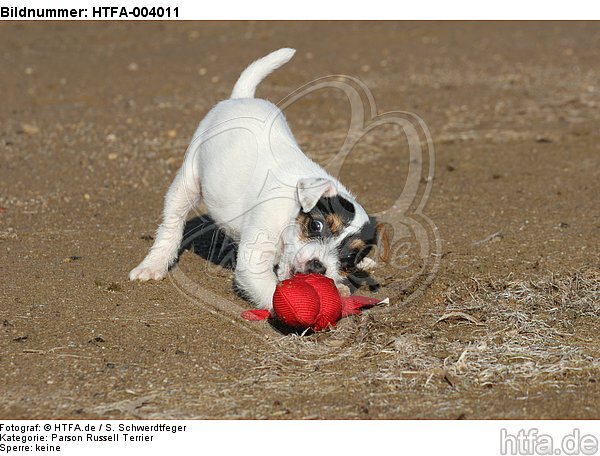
(257, 71)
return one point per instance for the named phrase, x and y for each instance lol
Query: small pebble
(202, 71)
(113, 156)
(28, 70)
(132, 66)
(71, 259)
(171, 133)
(29, 129)
(111, 138)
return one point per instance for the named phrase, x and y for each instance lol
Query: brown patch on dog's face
(303, 221)
(357, 244)
(335, 222)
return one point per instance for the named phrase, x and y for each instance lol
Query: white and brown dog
(286, 213)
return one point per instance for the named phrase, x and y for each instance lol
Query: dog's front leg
(254, 274)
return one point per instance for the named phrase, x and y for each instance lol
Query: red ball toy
(310, 301)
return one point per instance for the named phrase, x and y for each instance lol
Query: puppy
(286, 213)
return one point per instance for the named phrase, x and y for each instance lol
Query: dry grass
(491, 332)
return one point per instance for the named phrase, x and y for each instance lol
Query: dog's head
(332, 233)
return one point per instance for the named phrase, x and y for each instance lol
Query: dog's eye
(316, 226)
(348, 262)
(350, 259)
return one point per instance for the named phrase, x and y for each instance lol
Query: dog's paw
(367, 264)
(343, 289)
(283, 272)
(144, 272)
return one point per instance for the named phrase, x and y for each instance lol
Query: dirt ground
(96, 118)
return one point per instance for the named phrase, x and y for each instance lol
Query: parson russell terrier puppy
(286, 213)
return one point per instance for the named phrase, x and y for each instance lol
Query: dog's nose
(314, 266)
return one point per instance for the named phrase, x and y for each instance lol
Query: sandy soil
(95, 121)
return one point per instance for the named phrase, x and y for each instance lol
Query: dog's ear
(311, 189)
(384, 234)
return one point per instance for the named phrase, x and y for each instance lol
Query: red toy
(310, 301)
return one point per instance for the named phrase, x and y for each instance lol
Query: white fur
(246, 165)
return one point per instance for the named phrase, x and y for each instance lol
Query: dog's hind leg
(183, 195)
